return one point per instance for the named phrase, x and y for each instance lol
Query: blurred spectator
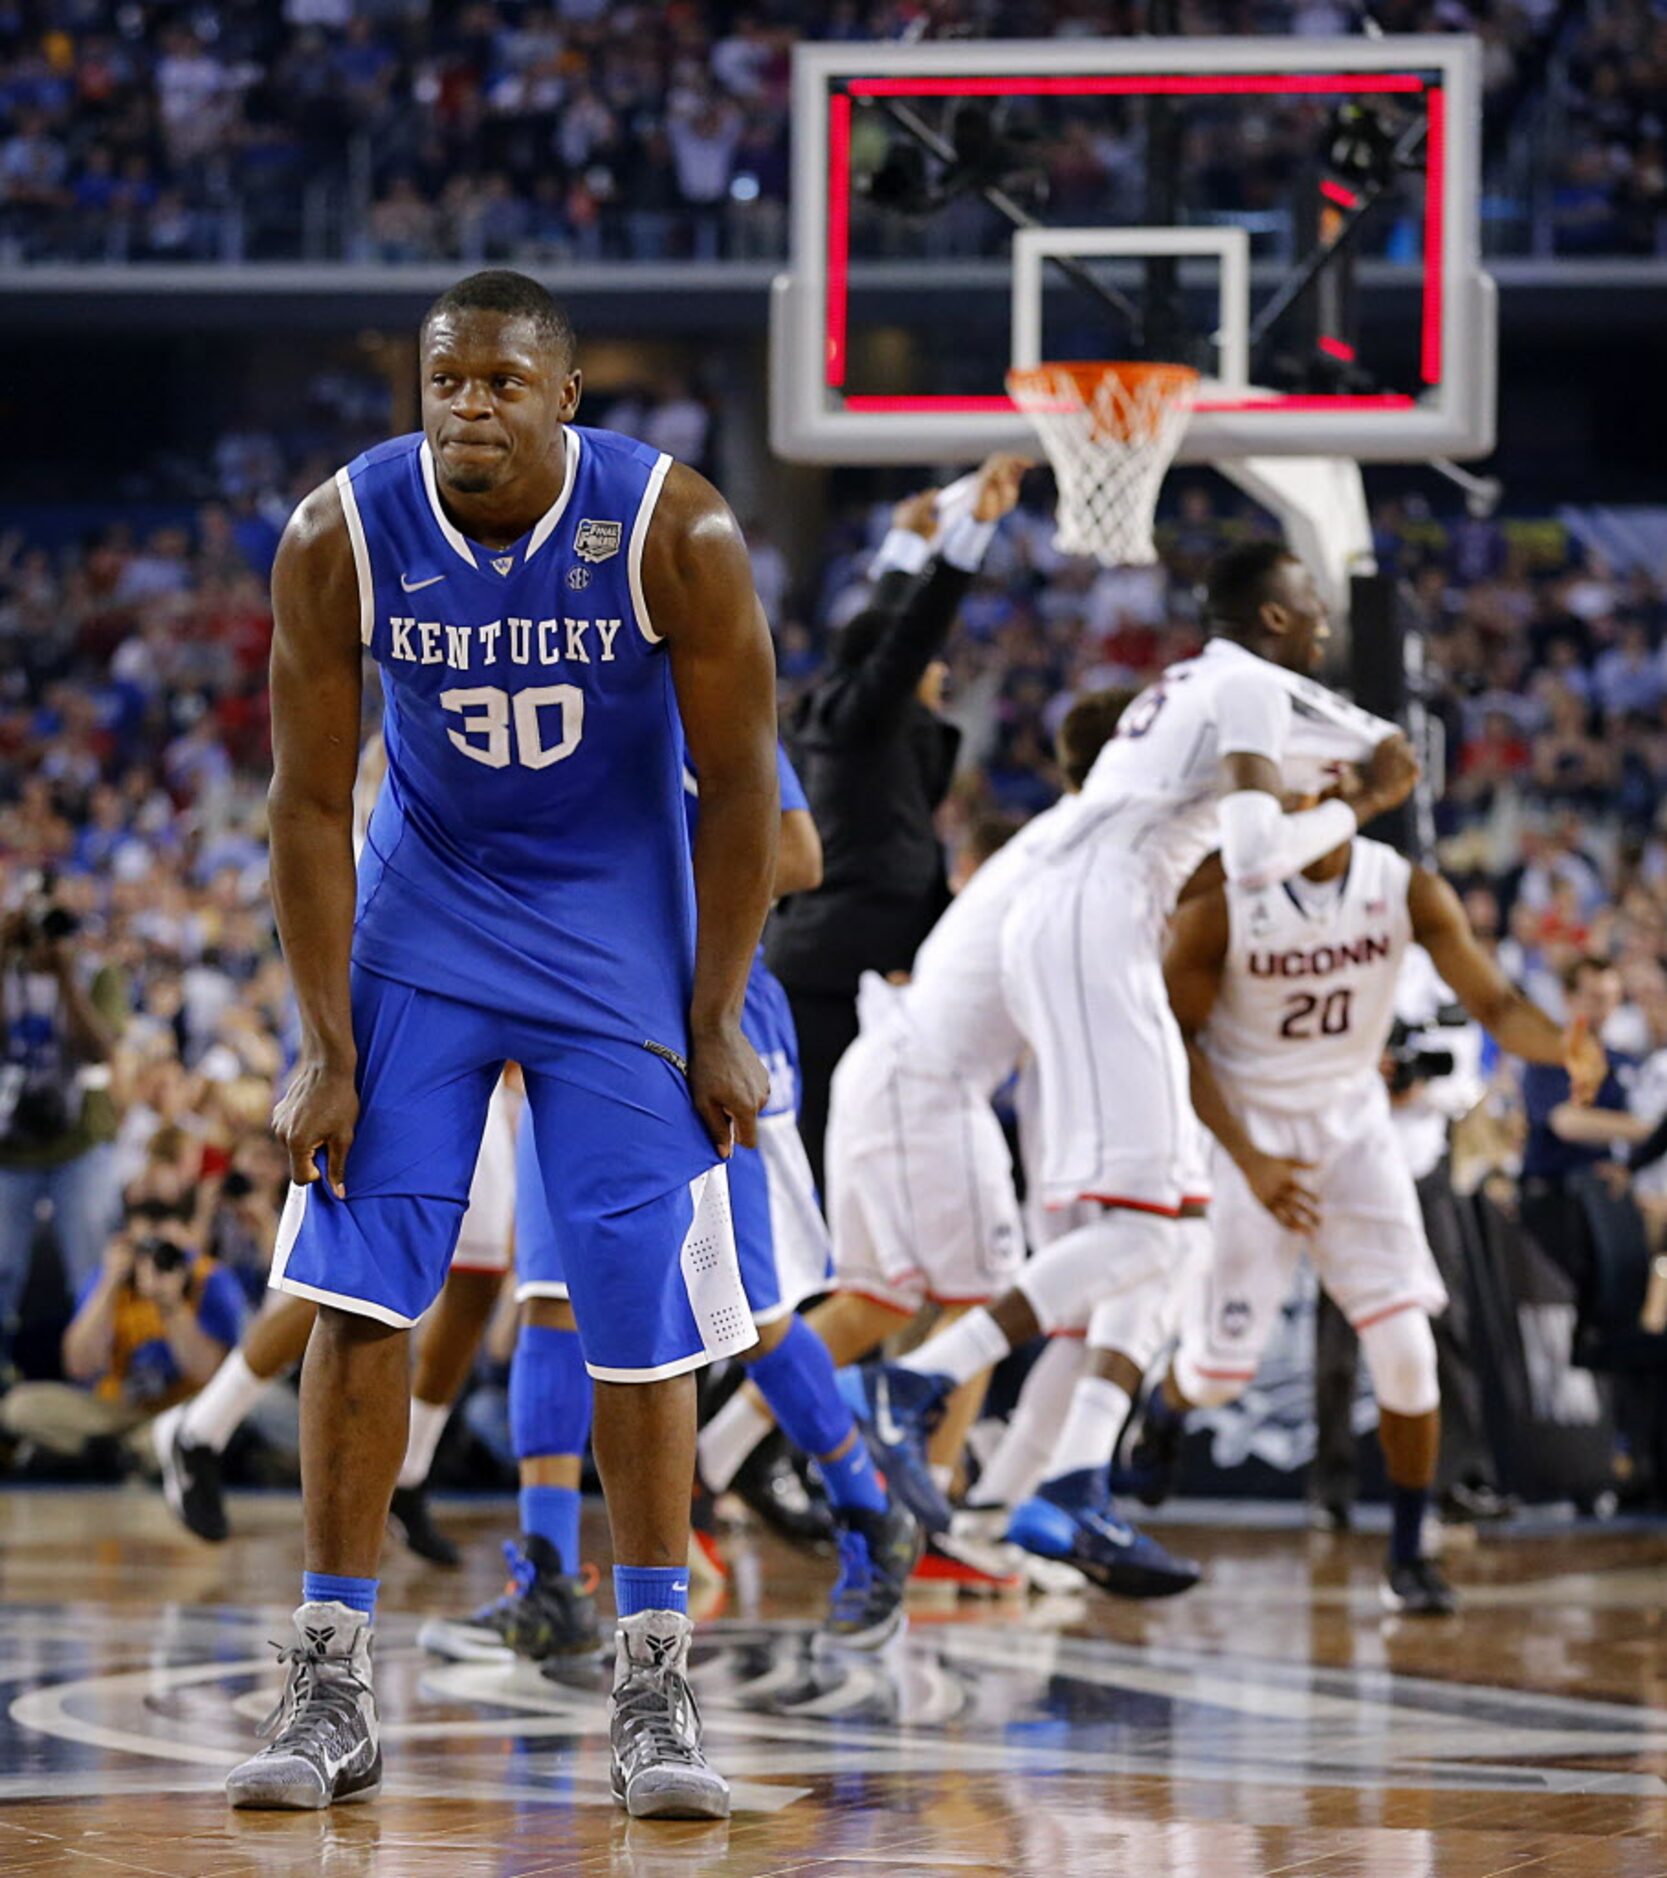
(63, 1013)
(150, 1328)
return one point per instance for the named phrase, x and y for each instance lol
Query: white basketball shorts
(1370, 1252)
(919, 1180)
(1082, 972)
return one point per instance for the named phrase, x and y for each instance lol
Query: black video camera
(42, 921)
(1411, 1061)
(163, 1255)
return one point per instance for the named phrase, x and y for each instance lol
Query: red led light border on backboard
(1279, 84)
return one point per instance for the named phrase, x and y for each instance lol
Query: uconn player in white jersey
(1199, 762)
(1286, 996)
(559, 615)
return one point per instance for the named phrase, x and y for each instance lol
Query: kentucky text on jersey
(1321, 961)
(506, 641)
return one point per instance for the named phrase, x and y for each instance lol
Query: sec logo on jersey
(598, 541)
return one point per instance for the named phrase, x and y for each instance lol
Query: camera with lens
(162, 1254)
(41, 920)
(39, 1116)
(1411, 1060)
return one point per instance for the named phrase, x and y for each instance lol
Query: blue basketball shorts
(638, 1201)
(780, 1235)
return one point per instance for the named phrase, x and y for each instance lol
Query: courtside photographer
(62, 1009)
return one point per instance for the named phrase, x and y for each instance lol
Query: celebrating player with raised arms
(1199, 761)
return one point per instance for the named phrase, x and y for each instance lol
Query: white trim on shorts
(289, 1230)
(359, 1307)
(661, 1372)
(543, 1288)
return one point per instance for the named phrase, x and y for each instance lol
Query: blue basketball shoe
(897, 1409)
(1073, 1519)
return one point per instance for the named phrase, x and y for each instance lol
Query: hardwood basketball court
(1272, 1722)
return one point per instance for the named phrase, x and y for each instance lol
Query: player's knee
(549, 1393)
(770, 1337)
(1208, 1387)
(1133, 1323)
(1400, 1358)
(1110, 1257)
(338, 1330)
(548, 1314)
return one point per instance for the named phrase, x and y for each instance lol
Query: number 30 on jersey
(487, 715)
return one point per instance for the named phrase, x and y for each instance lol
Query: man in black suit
(876, 760)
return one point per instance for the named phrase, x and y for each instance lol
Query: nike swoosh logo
(885, 1423)
(416, 586)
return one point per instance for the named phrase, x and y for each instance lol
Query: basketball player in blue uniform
(558, 613)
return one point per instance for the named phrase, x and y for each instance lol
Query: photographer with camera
(1432, 1068)
(59, 1025)
(149, 1330)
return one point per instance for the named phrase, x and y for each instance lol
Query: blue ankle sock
(1088, 1486)
(851, 1480)
(553, 1513)
(1406, 1524)
(797, 1379)
(358, 1594)
(651, 1588)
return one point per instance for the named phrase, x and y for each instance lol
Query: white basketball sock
(215, 1412)
(1098, 1411)
(729, 1437)
(971, 1345)
(428, 1423)
(1021, 1457)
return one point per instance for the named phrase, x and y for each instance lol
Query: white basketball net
(1111, 432)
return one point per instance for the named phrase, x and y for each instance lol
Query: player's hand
(1584, 1059)
(728, 1085)
(918, 514)
(997, 491)
(319, 1109)
(1276, 1182)
(1387, 777)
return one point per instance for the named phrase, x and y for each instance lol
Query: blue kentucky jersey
(528, 851)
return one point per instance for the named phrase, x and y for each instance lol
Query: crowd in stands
(134, 751)
(407, 131)
(1611, 189)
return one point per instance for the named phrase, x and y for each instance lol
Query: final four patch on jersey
(598, 541)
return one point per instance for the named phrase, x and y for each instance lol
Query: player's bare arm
(698, 583)
(1519, 1026)
(316, 685)
(798, 854)
(1193, 967)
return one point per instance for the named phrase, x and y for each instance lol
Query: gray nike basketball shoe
(659, 1766)
(324, 1745)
